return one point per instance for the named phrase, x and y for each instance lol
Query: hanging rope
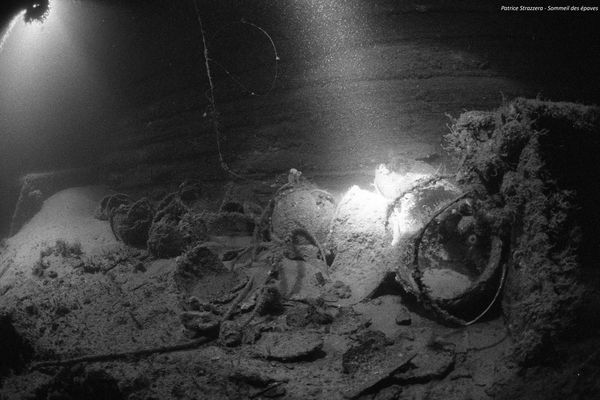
(234, 77)
(211, 89)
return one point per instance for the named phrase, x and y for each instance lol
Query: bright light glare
(407, 215)
(11, 26)
(402, 221)
(367, 206)
(374, 206)
(371, 202)
(390, 186)
(38, 34)
(51, 85)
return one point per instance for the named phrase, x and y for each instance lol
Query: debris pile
(131, 222)
(531, 165)
(305, 298)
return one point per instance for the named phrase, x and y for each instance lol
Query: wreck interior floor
(85, 316)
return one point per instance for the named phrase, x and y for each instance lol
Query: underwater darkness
(67, 83)
(70, 86)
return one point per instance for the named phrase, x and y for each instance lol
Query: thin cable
(211, 96)
(211, 89)
(417, 274)
(276, 74)
(276, 60)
